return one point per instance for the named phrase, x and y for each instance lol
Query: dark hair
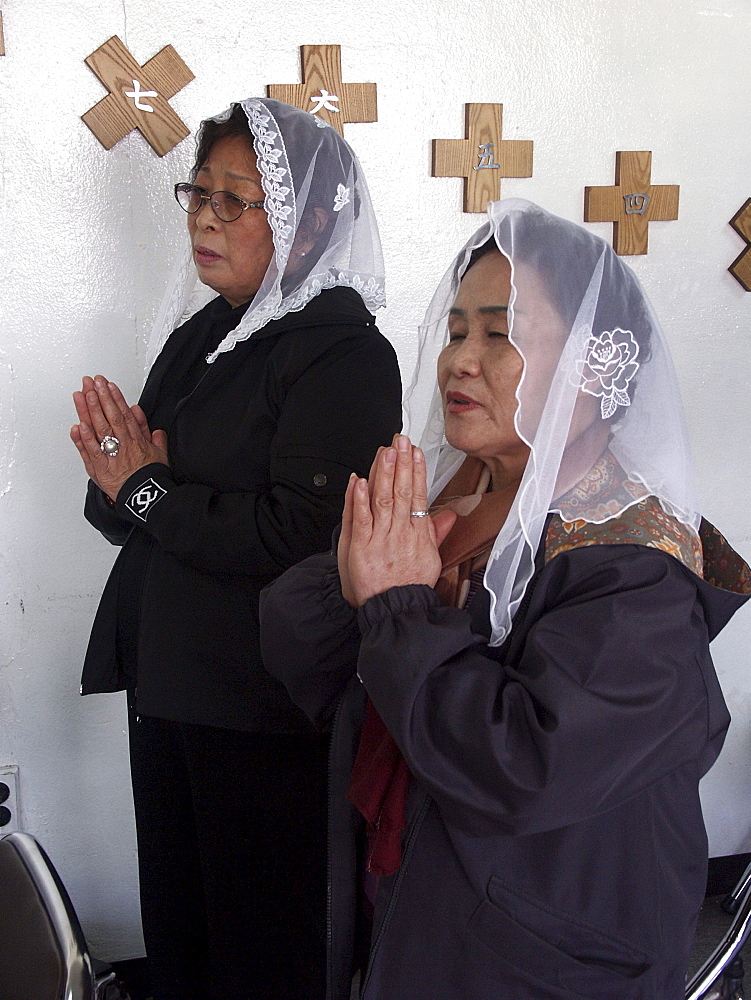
(565, 256)
(211, 132)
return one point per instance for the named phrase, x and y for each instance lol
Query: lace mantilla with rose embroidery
(608, 368)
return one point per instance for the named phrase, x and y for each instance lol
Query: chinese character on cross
(325, 100)
(486, 158)
(632, 203)
(322, 92)
(483, 158)
(136, 93)
(125, 109)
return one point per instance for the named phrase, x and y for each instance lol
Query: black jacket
(261, 445)
(554, 848)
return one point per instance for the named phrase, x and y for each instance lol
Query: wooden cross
(322, 91)
(741, 266)
(632, 203)
(138, 96)
(483, 158)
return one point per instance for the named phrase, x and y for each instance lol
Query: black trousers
(232, 860)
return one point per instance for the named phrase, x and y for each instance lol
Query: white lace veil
(608, 360)
(304, 164)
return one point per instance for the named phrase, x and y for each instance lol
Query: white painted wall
(89, 236)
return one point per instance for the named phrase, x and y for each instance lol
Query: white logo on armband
(143, 499)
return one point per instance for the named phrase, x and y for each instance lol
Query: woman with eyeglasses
(232, 467)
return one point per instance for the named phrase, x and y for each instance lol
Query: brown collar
(481, 516)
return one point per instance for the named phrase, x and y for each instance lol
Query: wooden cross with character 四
(632, 203)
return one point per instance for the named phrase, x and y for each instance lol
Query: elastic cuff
(142, 491)
(335, 607)
(415, 597)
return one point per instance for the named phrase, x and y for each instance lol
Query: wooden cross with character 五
(632, 203)
(322, 92)
(483, 158)
(139, 96)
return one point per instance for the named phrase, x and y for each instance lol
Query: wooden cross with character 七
(138, 97)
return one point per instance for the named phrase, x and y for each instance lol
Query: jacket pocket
(319, 476)
(559, 948)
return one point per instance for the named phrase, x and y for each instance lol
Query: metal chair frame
(79, 979)
(738, 902)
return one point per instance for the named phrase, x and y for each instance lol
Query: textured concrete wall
(89, 237)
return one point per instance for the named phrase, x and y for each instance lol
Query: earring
(303, 253)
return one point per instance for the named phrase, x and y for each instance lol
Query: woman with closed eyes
(512, 637)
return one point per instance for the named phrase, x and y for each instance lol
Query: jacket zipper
(408, 848)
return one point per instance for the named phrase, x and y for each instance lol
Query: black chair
(43, 954)
(724, 960)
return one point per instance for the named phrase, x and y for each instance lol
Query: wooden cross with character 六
(322, 91)
(632, 203)
(139, 96)
(483, 158)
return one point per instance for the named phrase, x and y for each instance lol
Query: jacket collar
(339, 305)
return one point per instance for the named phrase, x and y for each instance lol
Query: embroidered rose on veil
(609, 366)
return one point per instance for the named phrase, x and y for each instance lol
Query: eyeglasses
(227, 206)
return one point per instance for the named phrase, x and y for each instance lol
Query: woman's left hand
(102, 410)
(388, 547)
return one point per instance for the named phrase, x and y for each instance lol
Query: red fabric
(380, 777)
(378, 789)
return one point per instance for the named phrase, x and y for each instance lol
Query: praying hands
(113, 439)
(388, 538)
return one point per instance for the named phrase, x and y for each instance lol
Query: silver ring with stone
(419, 513)
(109, 446)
